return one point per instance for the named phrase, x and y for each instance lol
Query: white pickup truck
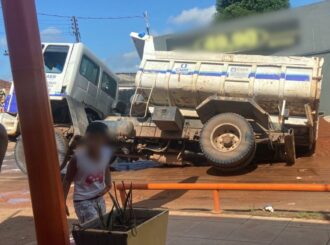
(81, 89)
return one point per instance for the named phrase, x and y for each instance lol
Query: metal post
(36, 121)
(75, 29)
(146, 20)
(216, 202)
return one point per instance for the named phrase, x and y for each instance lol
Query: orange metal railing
(217, 187)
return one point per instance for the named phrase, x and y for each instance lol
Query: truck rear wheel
(61, 144)
(228, 141)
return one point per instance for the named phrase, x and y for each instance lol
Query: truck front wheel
(61, 144)
(228, 141)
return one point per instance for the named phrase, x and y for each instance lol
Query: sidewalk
(201, 229)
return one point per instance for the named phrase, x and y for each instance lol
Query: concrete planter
(151, 229)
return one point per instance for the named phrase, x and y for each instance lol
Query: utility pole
(146, 20)
(75, 28)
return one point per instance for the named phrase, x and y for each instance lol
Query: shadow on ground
(19, 230)
(216, 172)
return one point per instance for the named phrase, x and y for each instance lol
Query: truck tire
(61, 144)
(228, 141)
(3, 143)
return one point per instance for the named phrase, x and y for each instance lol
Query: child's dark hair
(97, 128)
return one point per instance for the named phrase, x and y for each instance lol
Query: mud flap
(290, 148)
(78, 116)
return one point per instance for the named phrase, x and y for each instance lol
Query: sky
(109, 39)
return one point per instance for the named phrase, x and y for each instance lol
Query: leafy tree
(230, 9)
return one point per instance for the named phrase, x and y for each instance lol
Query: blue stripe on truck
(11, 102)
(288, 77)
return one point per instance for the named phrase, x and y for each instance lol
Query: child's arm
(68, 179)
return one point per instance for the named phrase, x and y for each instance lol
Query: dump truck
(81, 89)
(220, 107)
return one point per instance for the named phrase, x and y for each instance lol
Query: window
(109, 85)
(54, 58)
(89, 70)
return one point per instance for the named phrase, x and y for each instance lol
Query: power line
(54, 15)
(92, 17)
(110, 18)
(63, 21)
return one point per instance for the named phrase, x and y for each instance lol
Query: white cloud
(52, 34)
(196, 16)
(126, 62)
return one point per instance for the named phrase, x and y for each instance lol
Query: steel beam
(229, 186)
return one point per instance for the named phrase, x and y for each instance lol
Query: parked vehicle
(221, 106)
(81, 89)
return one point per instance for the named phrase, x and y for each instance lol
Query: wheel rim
(20, 156)
(226, 137)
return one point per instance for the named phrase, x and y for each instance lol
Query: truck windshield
(54, 58)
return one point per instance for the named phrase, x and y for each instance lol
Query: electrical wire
(64, 22)
(92, 17)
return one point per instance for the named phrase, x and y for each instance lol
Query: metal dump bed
(186, 79)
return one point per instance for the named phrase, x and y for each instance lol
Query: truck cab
(72, 71)
(81, 89)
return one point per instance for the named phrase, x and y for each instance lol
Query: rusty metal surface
(36, 122)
